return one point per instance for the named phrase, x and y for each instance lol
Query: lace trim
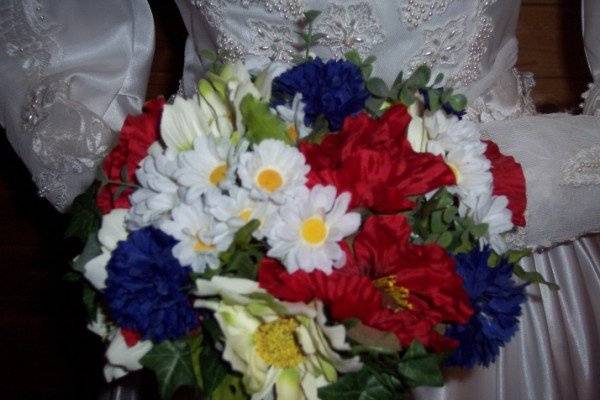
(27, 35)
(52, 187)
(350, 27)
(66, 136)
(273, 41)
(583, 169)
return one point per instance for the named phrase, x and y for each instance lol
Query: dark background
(45, 349)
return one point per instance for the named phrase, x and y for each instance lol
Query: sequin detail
(350, 27)
(273, 41)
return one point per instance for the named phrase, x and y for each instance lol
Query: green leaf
(407, 96)
(419, 368)
(361, 385)
(373, 105)
(172, 364)
(458, 102)
(437, 223)
(514, 256)
(85, 216)
(438, 79)
(90, 301)
(445, 239)
(366, 70)
(479, 230)
(91, 249)
(377, 87)
(119, 192)
(311, 15)
(230, 388)
(533, 277)
(354, 57)
(124, 174)
(493, 260)
(195, 344)
(208, 55)
(244, 235)
(419, 78)
(214, 369)
(261, 123)
(373, 339)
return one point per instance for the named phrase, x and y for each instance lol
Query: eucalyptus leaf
(377, 87)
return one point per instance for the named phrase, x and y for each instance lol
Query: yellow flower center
(245, 214)
(218, 174)
(293, 133)
(269, 180)
(202, 247)
(314, 231)
(398, 294)
(276, 343)
(455, 171)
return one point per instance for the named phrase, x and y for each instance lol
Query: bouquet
(302, 232)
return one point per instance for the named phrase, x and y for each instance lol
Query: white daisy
(204, 168)
(201, 237)
(306, 230)
(273, 170)
(494, 211)
(294, 116)
(237, 209)
(159, 193)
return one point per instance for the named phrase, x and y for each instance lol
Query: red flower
(131, 337)
(509, 181)
(390, 284)
(373, 160)
(137, 134)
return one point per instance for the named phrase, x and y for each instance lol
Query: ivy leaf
(195, 345)
(361, 385)
(85, 216)
(213, 369)
(91, 249)
(172, 364)
(419, 368)
(90, 301)
(261, 123)
(533, 277)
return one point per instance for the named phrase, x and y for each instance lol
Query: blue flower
(496, 301)
(334, 89)
(146, 287)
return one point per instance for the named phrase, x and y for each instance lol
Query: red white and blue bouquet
(301, 232)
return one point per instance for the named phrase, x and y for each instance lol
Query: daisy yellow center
(269, 180)
(398, 294)
(245, 214)
(218, 174)
(293, 133)
(276, 343)
(202, 247)
(314, 231)
(455, 171)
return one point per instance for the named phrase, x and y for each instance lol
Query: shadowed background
(45, 350)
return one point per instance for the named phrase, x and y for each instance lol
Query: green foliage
(213, 370)
(388, 376)
(90, 250)
(85, 217)
(365, 66)
(533, 277)
(419, 368)
(172, 364)
(437, 221)
(309, 38)
(261, 123)
(230, 388)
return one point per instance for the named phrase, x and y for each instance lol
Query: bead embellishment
(417, 12)
(583, 169)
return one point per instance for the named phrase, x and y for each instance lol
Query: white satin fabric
(70, 71)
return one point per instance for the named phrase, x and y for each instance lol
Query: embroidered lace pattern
(417, 12)
(27, 35)
(273, 41)
(350, 27)
(442, 45)
(583, 169)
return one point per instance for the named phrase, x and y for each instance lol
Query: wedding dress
(85, 65)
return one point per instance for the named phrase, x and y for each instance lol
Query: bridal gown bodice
(471, 41)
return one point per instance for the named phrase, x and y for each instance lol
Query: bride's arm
(69, 73)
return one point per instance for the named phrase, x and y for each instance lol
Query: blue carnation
(334, 89)
(146, 287)
(496, 301)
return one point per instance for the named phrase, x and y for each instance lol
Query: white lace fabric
(70, 72)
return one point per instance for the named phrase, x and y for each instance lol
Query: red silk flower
(509, 181)
(390, 284)
(373, 160)
(137, 134)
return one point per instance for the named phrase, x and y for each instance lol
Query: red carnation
(390, 284)
(373, 160)
(509, 181)
(137, 134)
